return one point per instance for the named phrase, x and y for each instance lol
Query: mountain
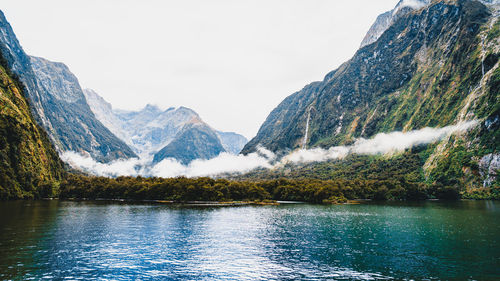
(103, 111)
(151, 128)
(232, 142)
(29, 164)
(58, 103)
(386, 19)
(176, 132)
(431, 67)
(195, 141)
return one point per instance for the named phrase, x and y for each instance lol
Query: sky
(232, 61)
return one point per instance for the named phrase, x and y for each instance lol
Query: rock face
(431, 67)
(58, 103)
(232, 142)
(386, 19)
(29, 164)
(381, 88)
(489, 165)
(150, 129)
(176, 132)
(195, 141)
(103, 111)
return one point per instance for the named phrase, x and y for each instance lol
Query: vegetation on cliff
(29, 164)
(431, 68)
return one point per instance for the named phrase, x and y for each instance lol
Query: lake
(123, 241)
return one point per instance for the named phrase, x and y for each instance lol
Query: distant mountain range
(62, 108)
(177, 133)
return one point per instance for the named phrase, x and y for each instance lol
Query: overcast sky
(231, 61)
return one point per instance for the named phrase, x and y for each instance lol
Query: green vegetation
(399, 176)
(404, 167)
(357, 177)
(29, 164)
(403, 82)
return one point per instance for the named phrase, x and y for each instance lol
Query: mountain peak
(413, 4)
(187, 111)
(151, 107)
(385, 20)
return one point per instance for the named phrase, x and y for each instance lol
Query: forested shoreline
(183, 189)
(399, 177)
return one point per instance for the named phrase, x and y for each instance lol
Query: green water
(98, 240)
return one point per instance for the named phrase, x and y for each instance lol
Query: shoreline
(236, 203)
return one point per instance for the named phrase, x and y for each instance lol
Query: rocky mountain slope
(196, 140)
(232, 142)
(386, 19)
(29, 164)
(176, 132)
(431, 67)
(58, 103)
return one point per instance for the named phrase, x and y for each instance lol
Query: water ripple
(98, 240)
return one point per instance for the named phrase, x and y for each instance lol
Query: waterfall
(304, 141)
(482, 55)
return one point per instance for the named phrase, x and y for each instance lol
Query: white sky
(232, 61)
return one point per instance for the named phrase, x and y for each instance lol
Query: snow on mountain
(151, 129)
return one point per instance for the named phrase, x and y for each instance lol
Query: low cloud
(382, 143)
(128, 167)
(224, 163)
(398, 141)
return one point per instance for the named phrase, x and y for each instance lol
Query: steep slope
(196, 141)
(232, 142)
(29, 164)
(58, 103)
(149, 130)
(431, 67)
(385, 20)
(73, 124)
(103, 111)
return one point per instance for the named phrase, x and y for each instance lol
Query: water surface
(118, 241)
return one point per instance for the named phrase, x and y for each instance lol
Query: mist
(224, 163)
(382, 143)
(125, 167)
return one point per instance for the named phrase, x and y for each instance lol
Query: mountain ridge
(151, 130)
(431, 67)
(58, 104)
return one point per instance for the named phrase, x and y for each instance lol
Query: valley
(130, 160)
(423, 85)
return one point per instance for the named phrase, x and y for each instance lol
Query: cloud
(128, 167)
(414, 4)
(382, 143)
(224, 163)
(315, 155)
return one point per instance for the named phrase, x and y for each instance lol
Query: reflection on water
(98, 240)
